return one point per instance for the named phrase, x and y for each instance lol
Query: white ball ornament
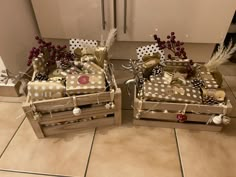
(138, 115)
(112, 105)
(165, 111)
(107, 106)
(217, 119)
(37, 116)
(77, 111)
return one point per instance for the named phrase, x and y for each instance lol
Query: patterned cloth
(85, 83)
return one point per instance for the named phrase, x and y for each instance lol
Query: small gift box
(91, 67)
(55, 75)
(41, 90)
(177, 62)
(162, 91)
(169, 78)
(71, 70)
(39, 64)
(85, 83)
(208, 79)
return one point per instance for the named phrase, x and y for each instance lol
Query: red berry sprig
(51, 52)
(173, 45)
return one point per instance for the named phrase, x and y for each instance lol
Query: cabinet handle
(125, 15)
(114, 10)
(103, 15)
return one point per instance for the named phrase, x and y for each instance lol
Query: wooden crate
(11, 90)
(152, 114)
(57, 116)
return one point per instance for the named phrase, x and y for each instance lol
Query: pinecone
(157, 70)
(41, 77)
(141, 82)
(209, 100)
(198, 83)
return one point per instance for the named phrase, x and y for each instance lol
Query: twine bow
(6, 75)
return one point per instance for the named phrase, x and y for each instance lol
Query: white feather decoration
(102, 42)
(221, 56)
(111, 38)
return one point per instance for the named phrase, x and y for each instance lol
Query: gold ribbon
(97, 55)
(101, 55)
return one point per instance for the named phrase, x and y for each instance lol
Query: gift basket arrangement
(173, 91)
(73, 89)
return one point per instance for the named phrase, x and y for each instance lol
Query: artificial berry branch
(175, 46)
(51, 52)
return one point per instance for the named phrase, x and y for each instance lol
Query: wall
(17, 31)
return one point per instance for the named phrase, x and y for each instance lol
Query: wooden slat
(78, 126)
(198, 108)
(35, 125)
(229, 107)
(200, 127)
(68, 115)
(67, 102)
(117, 100)
(172, 116)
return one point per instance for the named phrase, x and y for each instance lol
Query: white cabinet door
(199, 21)
(65, 19)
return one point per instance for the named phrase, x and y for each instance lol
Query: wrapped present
(39, 64)
(71, 70)
(162, 91)
(151, 50)
(208, 79)
(55, 75)
(101, 54)
(217, 94)
(173, 79)
(85, 83)
(41, 90)
(88, 58)
(91, 67)
(177, 62)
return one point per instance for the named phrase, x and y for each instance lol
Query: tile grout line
(33, 173)
(85, 173)
(12, 138)
(180, 160)
(229, 88)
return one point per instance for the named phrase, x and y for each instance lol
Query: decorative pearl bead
(77, 111)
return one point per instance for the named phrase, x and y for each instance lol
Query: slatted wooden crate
(163, 114)
(57, 116)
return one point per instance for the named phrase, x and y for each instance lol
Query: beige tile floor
(125, 151)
